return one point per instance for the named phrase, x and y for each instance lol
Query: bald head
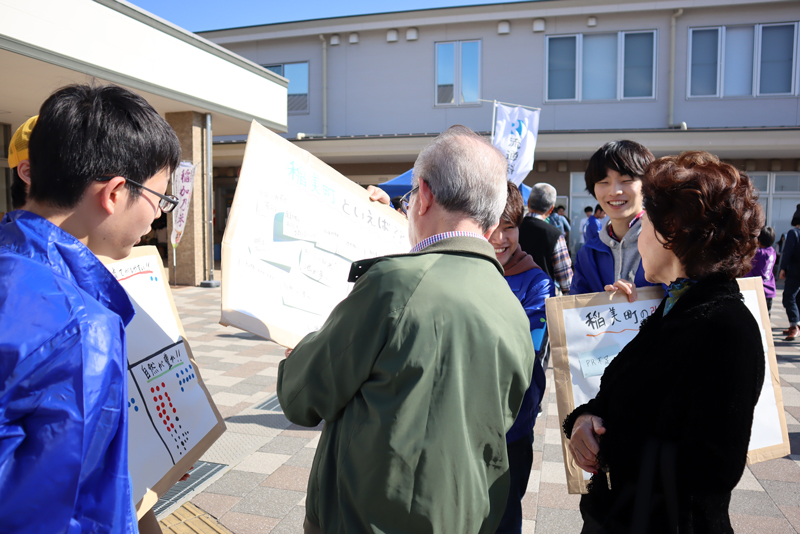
(466, 175)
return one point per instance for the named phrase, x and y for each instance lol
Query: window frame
(720, 66)
(306, 111)
(757, 60)
(755, 86)
(457, 73)
(620, 74)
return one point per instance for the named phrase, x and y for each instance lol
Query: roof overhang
(113, 41)
(459, 15)
(725, 143)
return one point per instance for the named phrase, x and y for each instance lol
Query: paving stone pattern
(270, 459)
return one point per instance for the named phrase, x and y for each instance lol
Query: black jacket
(677, 400)
(538, 238)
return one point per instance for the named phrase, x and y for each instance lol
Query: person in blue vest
(531, 286)
(610, 260)
(100, 161)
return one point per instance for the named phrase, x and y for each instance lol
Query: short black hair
(85, 132)
(766, 237)
(587, 209)
(598, 208)
(396, 201)
(19, 190)
(626, 157)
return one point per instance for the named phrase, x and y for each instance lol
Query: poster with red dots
(172, 420)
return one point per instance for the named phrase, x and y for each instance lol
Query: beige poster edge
(554, 308)
(193, 455)
(563, 381)
(773, 451)
(248, 323)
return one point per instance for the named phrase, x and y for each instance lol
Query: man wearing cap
(99, 165)
(422, 369)
(20, 164)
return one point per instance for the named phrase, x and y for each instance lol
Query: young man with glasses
(100, 163)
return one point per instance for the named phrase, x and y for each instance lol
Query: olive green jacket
(418, 374)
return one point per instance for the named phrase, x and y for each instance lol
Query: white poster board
(295, 227)
(172, 420)
(588, 331)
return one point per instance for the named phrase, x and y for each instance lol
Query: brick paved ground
(263, 490)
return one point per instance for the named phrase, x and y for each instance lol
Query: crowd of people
(429, 375)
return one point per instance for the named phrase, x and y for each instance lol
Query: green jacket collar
(451, 245)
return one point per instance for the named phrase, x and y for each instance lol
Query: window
(779, 195)
(458, 73)
(297, 74)
(749, 60)
(610, 66)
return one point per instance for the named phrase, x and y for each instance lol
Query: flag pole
(494, 119)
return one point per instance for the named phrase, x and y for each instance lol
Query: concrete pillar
(192, 251)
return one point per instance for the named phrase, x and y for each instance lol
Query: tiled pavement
(269, 459)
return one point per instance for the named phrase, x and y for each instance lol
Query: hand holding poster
(172, 420)
(295, 227)
(588, 331)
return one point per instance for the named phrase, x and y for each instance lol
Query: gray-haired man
(421, 371)
(544, 241)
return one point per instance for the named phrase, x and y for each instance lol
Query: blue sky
(200, 15)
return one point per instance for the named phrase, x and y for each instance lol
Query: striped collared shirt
(438, 237)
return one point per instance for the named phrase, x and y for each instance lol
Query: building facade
(367, 93)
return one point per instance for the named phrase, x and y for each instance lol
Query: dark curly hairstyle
(515, 206)
(706, 211)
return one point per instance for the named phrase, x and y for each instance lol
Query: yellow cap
(18, 149)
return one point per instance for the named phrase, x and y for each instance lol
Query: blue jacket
(593, 227)
(594, 269)
(531, 287)
(63, 385)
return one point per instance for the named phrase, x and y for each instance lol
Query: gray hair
(466, 174)
(542, 197)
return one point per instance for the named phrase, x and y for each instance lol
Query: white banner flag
(182, 184)
(515, 133)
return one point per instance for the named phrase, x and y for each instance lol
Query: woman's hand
(626, 287)
(583, 445)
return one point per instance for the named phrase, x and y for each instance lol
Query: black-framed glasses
(166, 203)
(404, 200)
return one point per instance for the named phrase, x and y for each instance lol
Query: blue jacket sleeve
(540, 288)
(63, 451)
(580, 284)
(788, 249)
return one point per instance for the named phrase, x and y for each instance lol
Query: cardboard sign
(295, 227)
(172, 420)
(588, 331)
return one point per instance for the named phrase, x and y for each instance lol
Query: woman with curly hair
(666, 437)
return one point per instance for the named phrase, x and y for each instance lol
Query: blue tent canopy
(399, 186)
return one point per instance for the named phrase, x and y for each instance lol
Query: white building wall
(376, 87)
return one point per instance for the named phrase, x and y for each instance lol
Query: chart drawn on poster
(171, 418)
(295, 227)
(588, 331)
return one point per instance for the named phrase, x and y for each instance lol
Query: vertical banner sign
(182, 184)
(515, 133)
